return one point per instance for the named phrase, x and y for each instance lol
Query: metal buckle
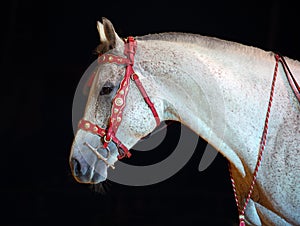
(132, 76)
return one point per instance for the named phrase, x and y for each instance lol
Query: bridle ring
(132, 76)
(107, 141)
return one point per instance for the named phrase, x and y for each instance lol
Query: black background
(45, 49)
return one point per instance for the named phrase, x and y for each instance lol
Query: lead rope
(261, 149)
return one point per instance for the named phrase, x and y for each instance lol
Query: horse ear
(109, 39)
(100, 29)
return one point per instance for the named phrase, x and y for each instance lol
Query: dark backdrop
(45, 49)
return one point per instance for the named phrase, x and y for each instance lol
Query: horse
(236, 97)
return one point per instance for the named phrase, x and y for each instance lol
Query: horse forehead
(109, 73)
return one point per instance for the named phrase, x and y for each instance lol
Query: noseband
(119, 101)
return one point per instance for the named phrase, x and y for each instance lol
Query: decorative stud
(121, 92)
(116, 110)
(119, 119)
(119, 102)
(110, 58)
(87, 125)
(95, 129)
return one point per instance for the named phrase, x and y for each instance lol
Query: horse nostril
(76, 167)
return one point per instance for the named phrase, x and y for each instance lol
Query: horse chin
(97, 178)
(99, 173)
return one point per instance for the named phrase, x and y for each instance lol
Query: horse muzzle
(83, 172)
(89, 160)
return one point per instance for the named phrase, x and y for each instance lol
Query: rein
(119, 101)
(295, 87)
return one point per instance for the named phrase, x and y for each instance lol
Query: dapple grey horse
(220, 90)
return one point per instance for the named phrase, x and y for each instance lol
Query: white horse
(220, 90)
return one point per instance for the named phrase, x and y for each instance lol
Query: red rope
(261, 149)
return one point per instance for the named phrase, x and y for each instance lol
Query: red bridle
(119, 101)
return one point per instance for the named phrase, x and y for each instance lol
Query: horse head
(118, 112)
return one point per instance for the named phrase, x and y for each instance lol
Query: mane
(206, 41)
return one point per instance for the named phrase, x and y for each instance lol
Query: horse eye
(106, 90)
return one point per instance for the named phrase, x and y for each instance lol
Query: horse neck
(219, 93)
